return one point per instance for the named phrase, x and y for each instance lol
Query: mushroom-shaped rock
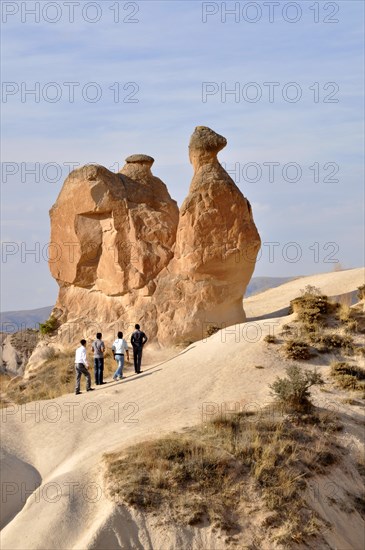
(216, 248)
(140, 159)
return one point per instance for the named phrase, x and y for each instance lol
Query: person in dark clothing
(138, 340)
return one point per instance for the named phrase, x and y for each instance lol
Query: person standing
(119, 348)
(98, 348)
(138, 340)
(82, 367)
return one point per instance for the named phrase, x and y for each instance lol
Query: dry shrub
(361, 292)
(4, 381)
(297, 350)
(286, 330)
(46, 353)
(333, 340)
(348, 377)
(212, 329)
(310, 307)
(54, 378)
(293, 391)
(210, 472)
(270, 339)
(347, 315)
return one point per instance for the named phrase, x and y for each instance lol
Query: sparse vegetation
(297, 350)
(348, 377)
(344, 312)
(270, 339)
(310, 307)
(324, 326)
(47, 353)
(293, 391)
(351, 326)
(361, 292)
(54, 378)
(212, 329)
(4, 380)
(286, 330)
(211, 472)
(333, 340)
(347, 315)
(49, 326)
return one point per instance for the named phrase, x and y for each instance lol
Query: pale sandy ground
(58, 445)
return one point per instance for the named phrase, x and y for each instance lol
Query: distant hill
(13, 321)
(259, 284)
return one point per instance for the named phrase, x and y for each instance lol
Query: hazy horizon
(285, 89)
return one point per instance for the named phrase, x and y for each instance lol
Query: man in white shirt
(119, 347)
(82, 367)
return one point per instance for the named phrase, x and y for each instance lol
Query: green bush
(293, 391)
(48, 326)
(297, 350)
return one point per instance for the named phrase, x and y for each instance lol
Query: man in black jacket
(138, 340)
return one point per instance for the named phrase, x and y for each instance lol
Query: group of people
(119, 349)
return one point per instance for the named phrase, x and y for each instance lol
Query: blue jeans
(120, 362)
(98, 370)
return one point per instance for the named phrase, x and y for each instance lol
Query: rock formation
(112, 234)
(215, 252)
(15, 350)
(122, 253)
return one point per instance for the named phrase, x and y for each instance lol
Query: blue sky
(168, 55)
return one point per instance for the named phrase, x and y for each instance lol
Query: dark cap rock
(139, 159)
(207, 140)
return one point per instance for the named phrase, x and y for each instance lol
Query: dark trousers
(81, 369)
(137, 358)
(98, 370)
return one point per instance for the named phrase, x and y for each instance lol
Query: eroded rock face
(216, 248)
(115, 231)
(125, 254)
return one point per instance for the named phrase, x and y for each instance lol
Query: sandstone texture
(123, 253)
(215, 252)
